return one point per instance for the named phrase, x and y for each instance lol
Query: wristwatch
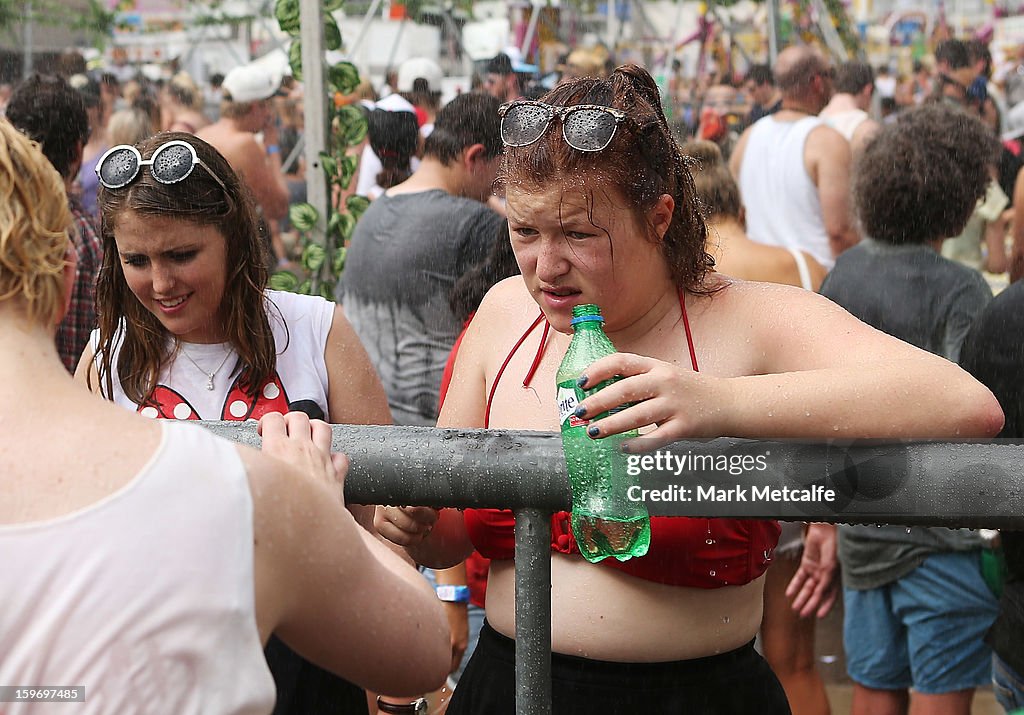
(416, 706)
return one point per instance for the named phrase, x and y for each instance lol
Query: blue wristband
(452, 594)
(273, 149)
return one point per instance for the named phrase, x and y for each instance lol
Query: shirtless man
(796, 186)
(245, 112)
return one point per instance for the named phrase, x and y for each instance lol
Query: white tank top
(144, 598)
(783, 208)
(846, 123)
(300, 324)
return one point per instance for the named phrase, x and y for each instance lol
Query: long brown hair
(643, 162)
(198, 199)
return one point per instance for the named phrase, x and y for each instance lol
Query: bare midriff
(602, 614)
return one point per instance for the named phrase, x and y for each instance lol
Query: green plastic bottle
(604, 521)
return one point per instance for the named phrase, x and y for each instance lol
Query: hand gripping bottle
(604, 521)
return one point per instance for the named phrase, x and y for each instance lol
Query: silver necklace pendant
(209, 381)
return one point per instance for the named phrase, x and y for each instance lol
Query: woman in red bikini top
(601, 210)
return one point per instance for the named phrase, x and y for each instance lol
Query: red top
(684, 551)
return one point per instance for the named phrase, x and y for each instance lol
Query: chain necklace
(209, 375)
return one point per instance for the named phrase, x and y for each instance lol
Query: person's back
(131, 608)
(410, 247)
(994, 354)
(899, 633)
(793, 170)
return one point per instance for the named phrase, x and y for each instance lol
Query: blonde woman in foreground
(148, 561)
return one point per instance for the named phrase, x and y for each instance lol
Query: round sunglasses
(171, 162)
(585, 127)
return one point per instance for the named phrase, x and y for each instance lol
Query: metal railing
(975, 484)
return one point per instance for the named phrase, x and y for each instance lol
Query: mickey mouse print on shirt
(166, 403)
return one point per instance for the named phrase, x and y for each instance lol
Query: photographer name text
(712, 493)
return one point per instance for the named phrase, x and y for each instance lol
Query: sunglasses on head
(171, 162)
(585, 127)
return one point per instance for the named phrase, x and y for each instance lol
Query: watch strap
(416, 706)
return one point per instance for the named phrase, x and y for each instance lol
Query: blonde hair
(128, 126)
(34, 224)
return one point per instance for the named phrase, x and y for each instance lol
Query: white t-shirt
(300, 325)
(144, 598)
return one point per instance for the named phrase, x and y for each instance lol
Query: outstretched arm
(816, 372)
(328, 588)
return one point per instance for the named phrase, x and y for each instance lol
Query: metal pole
(533, 612)
(773, 31)
(26, 32)
(531, 28)
(314, 104)
(974, 484)
(363, 28)
(610, 25)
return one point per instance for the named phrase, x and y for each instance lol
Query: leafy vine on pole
(322, 261)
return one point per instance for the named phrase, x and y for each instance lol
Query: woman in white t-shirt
(148, 560)
(187, 329)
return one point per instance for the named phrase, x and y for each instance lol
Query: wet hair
(200, 200)
(852, 77)
(394, 137)
(34, 224)
(717, 190)
(760, 74)
(48, 110)
(497, 265)
(466, 120)
(642, 162)
(915, 183)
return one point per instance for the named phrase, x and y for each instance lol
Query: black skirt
(732, 683)
(306, 689)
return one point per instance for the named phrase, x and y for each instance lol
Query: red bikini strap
(689, 336)
(540, 355)
(508, 359)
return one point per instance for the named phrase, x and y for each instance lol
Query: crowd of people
(783, 278)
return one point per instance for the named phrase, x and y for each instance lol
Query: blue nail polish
(592, 431)
(581, 381)
(624, 448)
(580, 411)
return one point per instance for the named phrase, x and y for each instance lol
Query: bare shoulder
(237, 147)
(826, 142)
(507, 298)
(764, 302)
